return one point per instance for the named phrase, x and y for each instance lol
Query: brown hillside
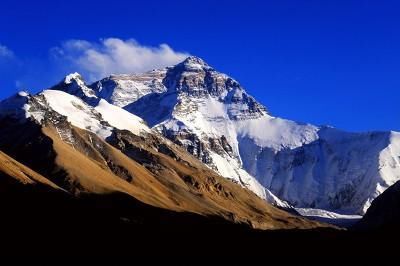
(149, 169)
(10, 167)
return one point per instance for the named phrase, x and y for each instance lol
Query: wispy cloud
(112, 55)
(5, 52)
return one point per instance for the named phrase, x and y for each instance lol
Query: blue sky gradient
(322, 62)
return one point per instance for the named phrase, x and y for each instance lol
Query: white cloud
(5, 52)
(115, 56)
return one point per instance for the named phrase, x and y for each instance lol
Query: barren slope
(176, 181)
(11, 168)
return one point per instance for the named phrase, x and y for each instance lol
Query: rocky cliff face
(215, 119)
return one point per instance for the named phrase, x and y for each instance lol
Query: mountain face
(54, 142)
(216, 120)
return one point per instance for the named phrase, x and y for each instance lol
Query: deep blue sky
(323, 62)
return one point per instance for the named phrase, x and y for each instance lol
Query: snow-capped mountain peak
(196, 78)
(193, 63)
(53, 105)
(74, 77)
(213, 117)
(74, 84)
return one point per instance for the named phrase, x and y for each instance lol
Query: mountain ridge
(72, 145)
(288, 163)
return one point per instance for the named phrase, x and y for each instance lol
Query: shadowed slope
(384, 213)
(149, 169)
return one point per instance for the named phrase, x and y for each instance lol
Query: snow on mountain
(122, 90)
(342, 220)
(100, 120)
(77, 112)
(121, 119)
(75, 85)
(11, 106)
(216, 120)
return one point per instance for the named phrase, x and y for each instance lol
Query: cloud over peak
(115, 56)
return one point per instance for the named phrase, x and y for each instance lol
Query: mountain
(289, 163)
(44, 222)
(58, 145)
(18, 173)
(384, 213)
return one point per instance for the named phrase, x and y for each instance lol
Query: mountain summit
(194, 61)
